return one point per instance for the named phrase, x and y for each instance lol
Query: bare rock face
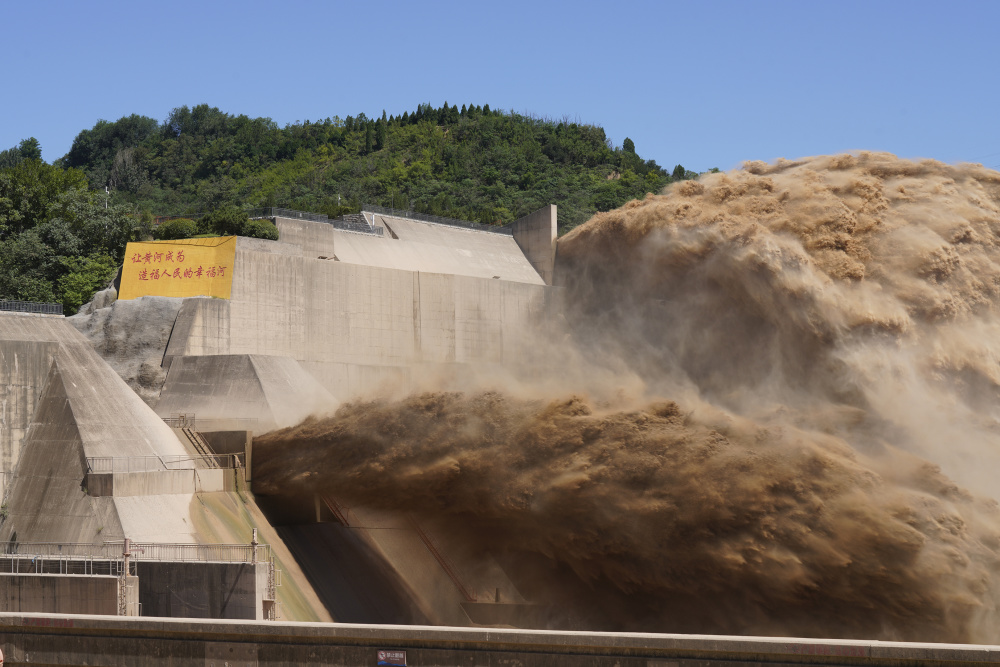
(131, 336)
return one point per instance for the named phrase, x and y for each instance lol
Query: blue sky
(703, 84)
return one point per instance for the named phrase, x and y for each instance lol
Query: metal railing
(126, 464)
(206, 424)
(426, 217)
(31, 307)
(344, 225)
(221, 553)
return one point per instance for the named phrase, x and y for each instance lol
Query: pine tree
(628, 145)
(463, 113)
(369, 137)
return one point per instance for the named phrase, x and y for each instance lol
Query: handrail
(426, 217)
(229, 553)
(31, 307)
(127, 464)
(338, 223)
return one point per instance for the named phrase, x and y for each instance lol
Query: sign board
(186, 267)
(393, 658)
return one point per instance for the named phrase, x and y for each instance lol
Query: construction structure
(132, 422)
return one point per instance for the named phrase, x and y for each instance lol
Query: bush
(226, 221)
(260, 229)
(181, 228)
(85, 275)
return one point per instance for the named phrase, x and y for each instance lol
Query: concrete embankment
(107, 640)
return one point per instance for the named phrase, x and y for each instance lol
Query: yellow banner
(186, 267)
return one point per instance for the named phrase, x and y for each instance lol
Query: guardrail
(31, 307)
(344, 225)
(425, 217)
(223, 553)
(206, 424)
(126, 464)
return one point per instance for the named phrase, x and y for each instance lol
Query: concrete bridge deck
(108, 640)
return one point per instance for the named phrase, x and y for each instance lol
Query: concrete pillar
(535, 235)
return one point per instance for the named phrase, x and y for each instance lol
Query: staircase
(201, 448)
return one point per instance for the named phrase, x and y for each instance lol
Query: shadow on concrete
(353, 581)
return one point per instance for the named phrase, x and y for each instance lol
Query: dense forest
(63, 226)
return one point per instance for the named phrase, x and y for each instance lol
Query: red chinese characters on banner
(158, 258)
(160, 274)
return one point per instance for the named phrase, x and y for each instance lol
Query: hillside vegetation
(61, 236)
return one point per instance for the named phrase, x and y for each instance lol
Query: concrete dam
(137, 526)
(126, 441)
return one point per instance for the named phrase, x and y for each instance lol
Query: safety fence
(208, 424)
(215, 553)
(31, 307)
(127, 464)
(343, 224)
(425, 217)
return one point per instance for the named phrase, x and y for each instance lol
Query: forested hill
(470, 162)
(62, 236)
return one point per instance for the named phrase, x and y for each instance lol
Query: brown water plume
(819, 350)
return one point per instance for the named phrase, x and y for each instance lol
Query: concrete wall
(164, 482)
(536, 234)
(66, 640)
(84, 410)
(354, 326)
(60, 593)
(274, 391)
(24, 367)
(202, 590)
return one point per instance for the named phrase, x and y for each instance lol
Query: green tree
(30, 149)
(678, 173)
(226, 220)
(179, 228)
(30, 190)
(628, 145)
(84, 276)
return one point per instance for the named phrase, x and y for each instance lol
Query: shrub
(181, 228)
(226, 221)
(260, 229)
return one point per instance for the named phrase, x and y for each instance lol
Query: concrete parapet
(166, 482)
(63, 640)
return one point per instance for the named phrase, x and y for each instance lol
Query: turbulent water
(773, 410)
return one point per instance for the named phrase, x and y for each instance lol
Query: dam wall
(353, 326)
(71, 640)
